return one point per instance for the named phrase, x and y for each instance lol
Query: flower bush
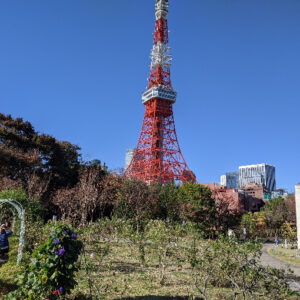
(50, 273)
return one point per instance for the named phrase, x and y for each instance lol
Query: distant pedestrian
(245, 234)
(276, 240)
(230, 233)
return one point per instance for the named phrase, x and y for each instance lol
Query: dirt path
(269, 260)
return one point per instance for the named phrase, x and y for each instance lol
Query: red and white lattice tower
(157, 157)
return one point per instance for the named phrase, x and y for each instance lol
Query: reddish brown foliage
(135, 201)
(81, 202)
(7, 183)
(291, 208)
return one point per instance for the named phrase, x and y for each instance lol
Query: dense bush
(197, 205)
(81, 202)
(32, 206)
(168, 206)
(135, 202)
(51, 270)
(34, 213)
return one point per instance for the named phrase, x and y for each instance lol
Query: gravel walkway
(269, 260)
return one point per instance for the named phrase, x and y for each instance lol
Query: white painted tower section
(160, 53)
(297, 200)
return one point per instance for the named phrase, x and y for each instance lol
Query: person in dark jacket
(4, 244)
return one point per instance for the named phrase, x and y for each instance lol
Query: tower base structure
(157, 157)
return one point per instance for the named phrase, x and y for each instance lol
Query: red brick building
(249, 198)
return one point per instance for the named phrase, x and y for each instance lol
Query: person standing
(276, 240)
(4, 244)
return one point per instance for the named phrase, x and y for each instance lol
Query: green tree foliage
(197, 204)
(255, 223)
(277, 217)
(289, 231)
(34, 211)
(275, 212)
(168, 206)
(34, 214)
(24, 151)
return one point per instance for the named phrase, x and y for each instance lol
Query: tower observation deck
(157, 157)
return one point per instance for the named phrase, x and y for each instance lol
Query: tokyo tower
(157, 157)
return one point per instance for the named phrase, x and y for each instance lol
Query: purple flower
(61, 251)
(52, 232)
(65, 232)
(61, 289)
(74, 235)
(56, 241)
(56, 252)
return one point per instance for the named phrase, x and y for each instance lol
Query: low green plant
(163, 240)
(96, 247)
(226, 262)
(51, 271)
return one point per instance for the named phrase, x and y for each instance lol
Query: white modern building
(258, 174)
(128, 157)
(223, 180)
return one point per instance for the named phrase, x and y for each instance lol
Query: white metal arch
(21, 214)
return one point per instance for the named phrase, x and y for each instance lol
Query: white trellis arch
(21, 214)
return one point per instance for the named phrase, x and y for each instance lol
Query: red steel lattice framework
(157, 157)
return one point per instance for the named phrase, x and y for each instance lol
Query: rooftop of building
(256, 165)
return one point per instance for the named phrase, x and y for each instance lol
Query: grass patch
(287, 255)
(122, 275)
(9, 269)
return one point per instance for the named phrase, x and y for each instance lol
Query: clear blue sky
(77, 69)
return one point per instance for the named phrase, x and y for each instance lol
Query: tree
(81, 202)
(168, 206)
(291, 208)
(134, 202)
(24, 151)
(228, 210)
(197, 204)
(275, 212)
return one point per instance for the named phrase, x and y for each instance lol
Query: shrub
(80, 202)
(289, 231)
(135, 202)
(229, 263)
(168, 207)
(32, 206)
(52, 267)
